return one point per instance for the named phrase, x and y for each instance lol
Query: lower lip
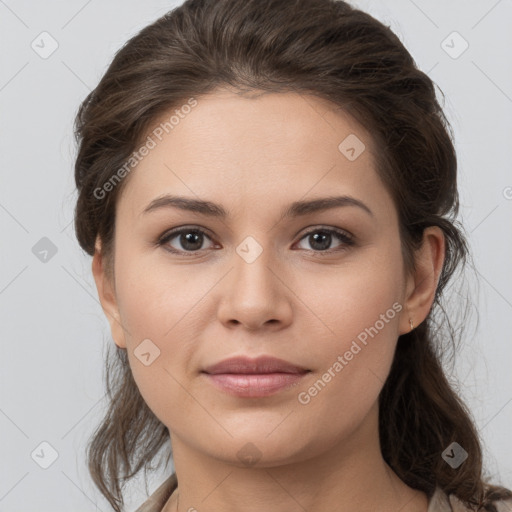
(253, 385)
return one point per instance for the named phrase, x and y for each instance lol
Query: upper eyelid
(171, 233)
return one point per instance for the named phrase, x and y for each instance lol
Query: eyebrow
(295, 209)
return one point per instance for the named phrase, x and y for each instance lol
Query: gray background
(52, 327)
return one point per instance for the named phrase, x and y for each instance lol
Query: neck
(351, 475)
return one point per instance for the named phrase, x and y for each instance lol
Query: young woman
(268, 190)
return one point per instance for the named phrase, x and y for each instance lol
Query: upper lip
(259, 365)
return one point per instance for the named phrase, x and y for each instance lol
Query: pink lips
(246, 377)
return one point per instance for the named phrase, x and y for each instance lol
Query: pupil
(189, 239)
(326, 237)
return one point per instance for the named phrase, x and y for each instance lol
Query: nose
(255, 295)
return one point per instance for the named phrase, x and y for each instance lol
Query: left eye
(323, 238)
(191, 240)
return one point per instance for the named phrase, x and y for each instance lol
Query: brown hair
(333, 51)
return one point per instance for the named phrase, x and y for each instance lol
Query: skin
(254, 156)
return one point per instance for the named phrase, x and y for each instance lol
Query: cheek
(361, 294)
(154, 298)
(362, 310)
(345, 388)
(156, 310)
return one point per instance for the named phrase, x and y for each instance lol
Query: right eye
(190, 239)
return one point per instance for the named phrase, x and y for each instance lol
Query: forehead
(255, 149)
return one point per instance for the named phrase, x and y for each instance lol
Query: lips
(260, 365)
(244, 377)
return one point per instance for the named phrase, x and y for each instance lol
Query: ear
(107, 296)
(422, 284)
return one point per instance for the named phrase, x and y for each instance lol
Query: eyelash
(343, 236)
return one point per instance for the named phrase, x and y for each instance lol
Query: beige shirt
(439, 502)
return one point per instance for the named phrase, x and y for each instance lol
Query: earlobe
(423, 284)
(107, 296)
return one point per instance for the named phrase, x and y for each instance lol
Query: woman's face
(270, 276)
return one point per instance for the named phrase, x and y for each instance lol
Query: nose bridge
(254, 294)
(252, 275)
